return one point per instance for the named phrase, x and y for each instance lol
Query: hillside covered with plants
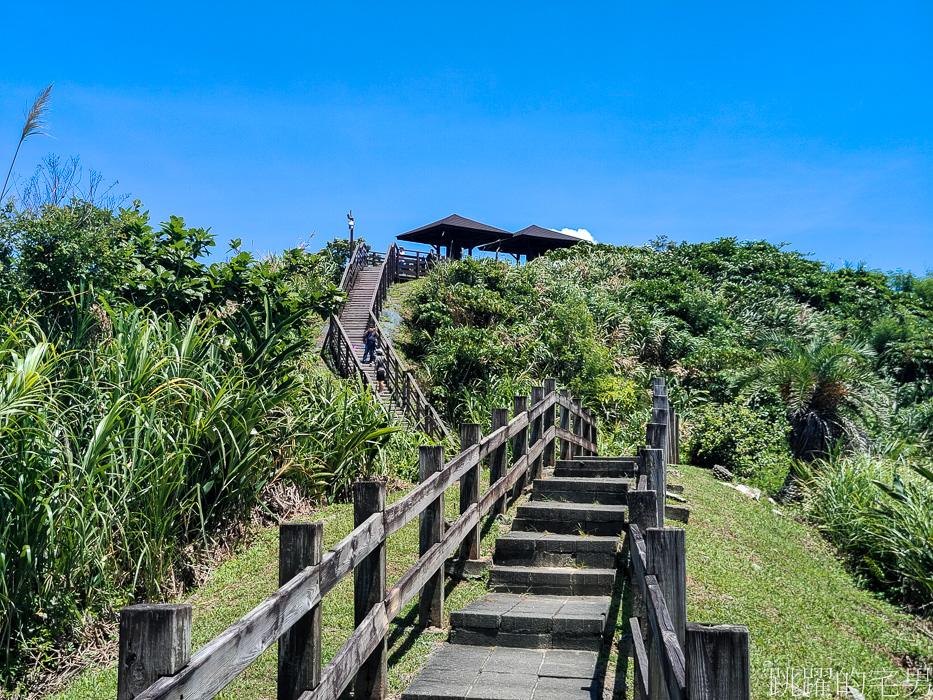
(152, 402)
(789, 373)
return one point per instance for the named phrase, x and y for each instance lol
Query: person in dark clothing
(369, 344)
(380, 361)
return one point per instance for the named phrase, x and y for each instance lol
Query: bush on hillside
(880, 515)
(746, 443)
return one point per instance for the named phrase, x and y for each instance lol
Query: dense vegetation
(782, 366)
(149, 401)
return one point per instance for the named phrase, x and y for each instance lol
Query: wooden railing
(155, 660)
(674, 659)
(338, 345)
(412, 265)
(401, 384)
(359, 258)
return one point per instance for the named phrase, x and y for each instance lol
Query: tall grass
(126, 436)
(879, 513)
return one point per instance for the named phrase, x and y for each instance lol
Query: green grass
(748, 565)
(244, 581)
(802, 607)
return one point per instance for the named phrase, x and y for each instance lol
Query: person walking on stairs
(380, 362)
(369, 344)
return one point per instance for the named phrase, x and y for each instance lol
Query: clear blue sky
(806, 122)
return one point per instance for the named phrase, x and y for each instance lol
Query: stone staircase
(538, 634)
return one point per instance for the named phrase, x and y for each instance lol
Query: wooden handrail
(356, 262)
(228, 654)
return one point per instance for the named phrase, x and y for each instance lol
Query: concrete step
(570, 518)
(532, 622)
(605, 468)
(456, 671)
(539, 549)
(582, 490)
(559, 581)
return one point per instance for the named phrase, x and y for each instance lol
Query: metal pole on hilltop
(350, 223)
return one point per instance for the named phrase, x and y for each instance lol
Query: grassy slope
(241, 583)
(803, 610)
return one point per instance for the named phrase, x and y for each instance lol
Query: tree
(829, 392)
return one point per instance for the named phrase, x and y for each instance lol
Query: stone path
(538, 634)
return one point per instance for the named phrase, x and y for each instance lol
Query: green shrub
(746, 443)
(880, 516)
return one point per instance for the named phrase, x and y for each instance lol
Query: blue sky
(810, 123)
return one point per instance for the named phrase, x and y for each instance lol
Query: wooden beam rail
(341, 349)
(222, 659)
(680, 660)
(359, 258)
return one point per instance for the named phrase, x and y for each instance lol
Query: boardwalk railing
(674, 659)
(402, 387)
(155, 660)
(359, 258)
(401, 384)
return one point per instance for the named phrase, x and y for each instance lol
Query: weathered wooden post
(593, 427)
(537, 396)
(430, 531)
(565, 445)
(676, 456)
(666, 559)
(369, 589)
(497, 465)
(652, 460)
(550, 387)
(657, 439)
(642, 512)
(519, 443)
(576, 450)
(717, 658)
(470, 434)
(155, 641)
(300, 545)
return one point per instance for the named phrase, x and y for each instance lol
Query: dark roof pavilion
(456, 232)
(531, 242)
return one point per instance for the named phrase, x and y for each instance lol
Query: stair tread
(499, 673)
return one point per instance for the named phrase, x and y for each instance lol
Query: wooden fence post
(369, 589)
(470, 434)
(642, 512)
(300, 545)
(519, 443)
(576, 450)
(666, 559)
(155, 641)
(656, 470)
(430, 531)
(657, 439)
(550, 387)
(593, 432)
(717, 658)
(676, 439)
(565, 446)
(537, 396)
(497, 466)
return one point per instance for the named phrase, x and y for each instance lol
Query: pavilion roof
(457, 229)
(533, 240)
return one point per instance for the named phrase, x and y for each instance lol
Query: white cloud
(580, 233)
